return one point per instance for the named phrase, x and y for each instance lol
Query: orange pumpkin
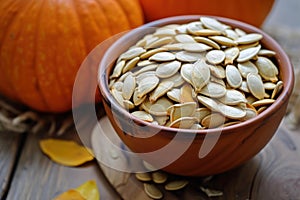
(43, 43)
(253, 12)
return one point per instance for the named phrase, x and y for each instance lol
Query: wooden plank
(9, 146)
(273, 174)
(37, 177)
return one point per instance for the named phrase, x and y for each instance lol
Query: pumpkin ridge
(28, 80)
(19, 81)
(6, 84)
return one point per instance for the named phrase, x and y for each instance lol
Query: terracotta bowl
(177, 150)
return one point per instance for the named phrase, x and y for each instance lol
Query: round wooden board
(263, 177)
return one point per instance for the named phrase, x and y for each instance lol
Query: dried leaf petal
(65, 152)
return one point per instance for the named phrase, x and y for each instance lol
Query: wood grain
(273, 174)
(9, 146)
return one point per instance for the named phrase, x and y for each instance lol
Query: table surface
(26, 173)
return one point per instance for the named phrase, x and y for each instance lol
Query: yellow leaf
(65, 152)
(89, 190)
(70, 195)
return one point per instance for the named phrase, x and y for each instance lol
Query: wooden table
(26, 173)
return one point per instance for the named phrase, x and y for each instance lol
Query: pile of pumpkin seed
(203, 74)
(156, 182)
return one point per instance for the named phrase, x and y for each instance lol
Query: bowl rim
(281, 57)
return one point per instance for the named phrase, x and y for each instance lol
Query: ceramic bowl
(195, 152)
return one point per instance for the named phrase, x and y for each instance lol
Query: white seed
(143, 115)
(223, 41)
(233, 97)
(158, 108)
(183, 122)
(160, 90)
(185, 56)
(162, 57)
(249, 38)
(213, 90)
(267, 69)
(184, 38)
(213, 120)
(152, 191)
(248, 53)
(207, 41)
(208, 102)
(146, 85)
(247, 67)
(200, 75)
(232, 112)
(128, 87)
(256, 86)
(174, 95)
(168, 69)
(132, 53)
(233, 76)
(215, 56)
(176, 185)
(231, 54)
(196, 47)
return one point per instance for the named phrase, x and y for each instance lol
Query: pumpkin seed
(144, 75)
(152, 191)
(213, 90)
(207, 32)
(186, 72)
(174, 94)
(160, 90)
(146, 69)
(183, 122)
(143, 115)
(213, 120)
(164, 32)
(196, 47)
(118, 69)
(247, 54)
(185, 56)
(200, 75)
(128, 87)
(161, 120)
(231, 34)
(151, 53)
(147, 85)
(177, 111)
(218, 71)
(200, 113)
(208, 102)
(167, 69)
(233, 76)
(118, 86)
(159, 177)
(130, 64)
(231, 54)
(213, 24)
(184, 38)
(143, 176)
(128, 105)
(211, 192)
(160, 42)
(239, 32)
(176, 185)
(187, 94)
(266, 52)
(162, 57)
(269, 85)
(247, 67)
(176, 79)
(232, 112)
(207, 41)
(132, 53)
(193, 27)
(233, 97)
(215, 56)
(158, 108)
(277, 89)
(144, 63)
(244, 87)
(267, 69)
(173, 47)
(118, 96)
(255, 85)
(262, 102)
(223, 41)
(249, 38)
